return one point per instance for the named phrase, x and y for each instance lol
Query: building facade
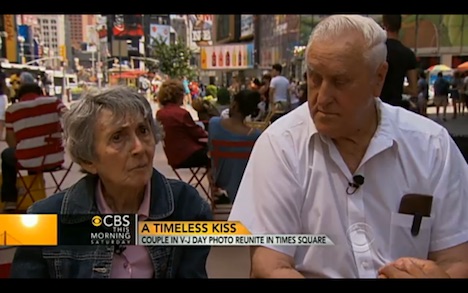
(80, 28)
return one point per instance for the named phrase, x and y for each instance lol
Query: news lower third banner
(116, 229)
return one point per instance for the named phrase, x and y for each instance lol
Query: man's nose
(325, 93)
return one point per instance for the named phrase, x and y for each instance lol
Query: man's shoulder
(410, 123)
(40, 101)
(274, 79)
(294, 125)
(284, 79)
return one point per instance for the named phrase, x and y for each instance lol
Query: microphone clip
(119, 249)
(352, 188)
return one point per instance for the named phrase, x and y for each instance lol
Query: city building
(279, 36)
(233, 54)
(81, 28)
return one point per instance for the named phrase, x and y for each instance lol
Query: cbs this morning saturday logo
(113, 230)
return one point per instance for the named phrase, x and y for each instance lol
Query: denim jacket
(171, 200)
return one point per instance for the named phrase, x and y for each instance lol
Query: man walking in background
(441, 92)
(401, 63)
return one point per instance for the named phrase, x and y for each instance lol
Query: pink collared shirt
(135, 261)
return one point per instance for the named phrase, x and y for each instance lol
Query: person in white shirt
(279, 89)
(306, 173)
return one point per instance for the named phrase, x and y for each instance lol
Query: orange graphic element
(28, 229)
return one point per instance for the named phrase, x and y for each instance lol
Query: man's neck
(362, 137)
(392, 35)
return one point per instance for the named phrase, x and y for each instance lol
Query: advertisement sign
(160, 32)
(11, 45)
(101, 24)
(201, 26)
(127, 25)
(232, 56)
(247, 26)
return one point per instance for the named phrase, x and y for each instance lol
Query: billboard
(202, 25)
(127, 25)
(160, 32)
(247, 26)
(232, 56)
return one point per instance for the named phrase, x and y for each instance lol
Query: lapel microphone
(358, 180)
(119, 249)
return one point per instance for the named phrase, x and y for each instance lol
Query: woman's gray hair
(374, 35)
(80, 121)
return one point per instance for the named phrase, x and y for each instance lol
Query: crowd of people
(304, 173)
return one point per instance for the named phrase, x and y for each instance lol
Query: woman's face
(124, 151)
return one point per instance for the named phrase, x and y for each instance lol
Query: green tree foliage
(173, 59)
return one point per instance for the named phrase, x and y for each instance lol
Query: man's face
(341, 85)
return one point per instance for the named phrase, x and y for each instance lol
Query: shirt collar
(104, 208)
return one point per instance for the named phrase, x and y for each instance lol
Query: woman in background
(227, 173)
(183, 138)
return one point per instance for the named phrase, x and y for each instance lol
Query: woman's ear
(89, 167)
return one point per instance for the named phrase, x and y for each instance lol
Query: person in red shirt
(185, 142)
(183, 139)
(26, 136)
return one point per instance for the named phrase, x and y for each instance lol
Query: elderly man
(112, 135)
(306, 174)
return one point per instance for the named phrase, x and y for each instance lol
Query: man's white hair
(374, 35)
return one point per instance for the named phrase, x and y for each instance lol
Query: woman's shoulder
(49, 205)
(215, 120)
(188, 202)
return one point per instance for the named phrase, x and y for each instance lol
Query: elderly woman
(112, 135)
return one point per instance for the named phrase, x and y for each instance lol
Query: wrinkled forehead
(338, 54)
(109, 119)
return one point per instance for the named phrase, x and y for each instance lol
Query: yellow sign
(28, 229)
(63, 52)
(11, 45)
(192, 228)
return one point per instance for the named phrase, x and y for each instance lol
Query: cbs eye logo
(111, 221)
(96, 221)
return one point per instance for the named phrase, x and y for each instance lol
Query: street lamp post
(21, 40)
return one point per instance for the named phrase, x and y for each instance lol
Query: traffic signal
(63, 52)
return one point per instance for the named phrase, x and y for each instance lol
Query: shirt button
(365, 264)
(125, 265)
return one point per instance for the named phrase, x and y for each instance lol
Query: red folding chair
(218, 152)
(37, 174)
(196, 179)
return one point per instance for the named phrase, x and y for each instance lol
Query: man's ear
(380, 75)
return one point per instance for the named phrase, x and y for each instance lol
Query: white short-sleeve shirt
(281, 86)
(296, 180)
